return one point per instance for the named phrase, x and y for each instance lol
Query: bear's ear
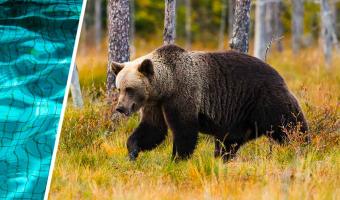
(146, 68)
(116, 67)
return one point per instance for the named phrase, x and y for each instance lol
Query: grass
(92, 158)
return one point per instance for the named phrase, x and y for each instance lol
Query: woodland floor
(92, 158)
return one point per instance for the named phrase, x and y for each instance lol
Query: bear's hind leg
(281, 134)
(278, 135)
(227, 145)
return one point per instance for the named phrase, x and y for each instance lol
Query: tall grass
(92, 158)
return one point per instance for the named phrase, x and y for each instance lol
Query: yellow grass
(92, 159)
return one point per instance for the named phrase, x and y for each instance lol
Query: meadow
(92, 158)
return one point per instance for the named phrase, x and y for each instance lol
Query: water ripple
(36, 44)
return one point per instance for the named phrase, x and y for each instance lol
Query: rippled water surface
(36, 44)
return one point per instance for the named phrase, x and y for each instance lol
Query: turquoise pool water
(36, 44)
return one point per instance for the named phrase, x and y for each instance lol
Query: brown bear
(231, 96)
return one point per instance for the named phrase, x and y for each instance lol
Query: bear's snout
(121, 109)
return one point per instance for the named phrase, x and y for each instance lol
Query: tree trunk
(188, 24)
(231, 11)
(297, 24)
(335, 25)
(273, 24)
(222, 25)
(118, 28)
(132, 28)
(169, 22)
(83, 36)
(269, 19)
(239, 40)
(335, 12)
(260, 30)
(328, 32)
(75, 89)
(98, 23)
(277, 23)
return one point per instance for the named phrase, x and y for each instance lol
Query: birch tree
(75, 89)
(98, 23)
(269, 19)
(336, 17)
(297, 24)
(118, 28)
(231, 11)
(83, 36)
(239, 41)
(277, 26)
(188, 24)
(335, 12)
(328, 32)
(260, 30)
(169, 33)
(222, 25)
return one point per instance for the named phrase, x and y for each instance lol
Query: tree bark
(239, 41)
(222, 25)
(118, 28)
(269, 19)
(132, 28)
(277, 23)
(328, 32)
(169, 22)
(335, 14)
(83, 36)
(75, 89)
(260, 30)
(231, 12)
(297, 24)
(188, 24)
(98, 23)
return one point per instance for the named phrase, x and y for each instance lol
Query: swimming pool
(36, 44)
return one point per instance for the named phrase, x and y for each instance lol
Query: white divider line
(61, 119)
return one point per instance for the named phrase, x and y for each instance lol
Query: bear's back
(233, 84)
(237, 65)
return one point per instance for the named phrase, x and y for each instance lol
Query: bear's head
(133, 83)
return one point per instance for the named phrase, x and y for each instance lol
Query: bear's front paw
(133, 155)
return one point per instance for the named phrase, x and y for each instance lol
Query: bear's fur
(232, 96)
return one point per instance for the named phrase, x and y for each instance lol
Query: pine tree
(188, 24)
(118, 27)
(240, 37)
(169, 22)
